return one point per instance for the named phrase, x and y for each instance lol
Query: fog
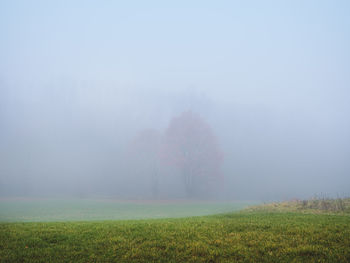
(79, 80)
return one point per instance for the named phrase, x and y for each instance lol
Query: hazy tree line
(81, 145)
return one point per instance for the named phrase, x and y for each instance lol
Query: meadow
(53, 210)
(250, 235)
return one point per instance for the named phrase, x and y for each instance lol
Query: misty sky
(78, 79)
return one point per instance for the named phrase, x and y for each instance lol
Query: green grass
(235, 237)
(263, 234)
(39, 210)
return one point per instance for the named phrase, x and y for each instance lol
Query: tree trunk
(155, 183)
(189, 184)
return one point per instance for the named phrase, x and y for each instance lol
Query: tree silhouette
(190, 144)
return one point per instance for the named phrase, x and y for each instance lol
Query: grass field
(315, 205)
(246, 236)
(45, 210)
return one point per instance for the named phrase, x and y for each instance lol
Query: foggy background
(80, 79)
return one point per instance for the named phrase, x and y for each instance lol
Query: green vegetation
(258, 236)
(44, 210)
(315, 230)
(315, 205)
(242, 237)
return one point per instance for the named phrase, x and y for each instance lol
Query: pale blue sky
(141, 44)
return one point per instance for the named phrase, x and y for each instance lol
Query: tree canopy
(190, 144)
